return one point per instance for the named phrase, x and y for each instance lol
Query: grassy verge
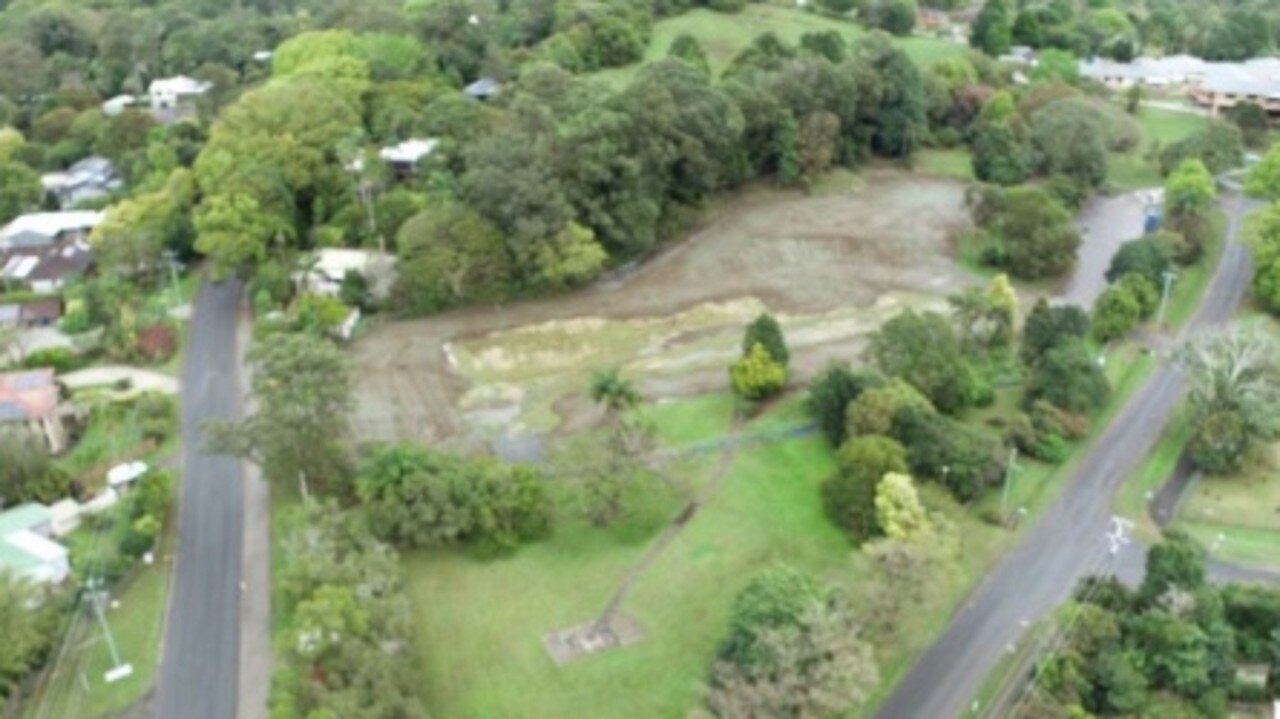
(1192, 281)
(955, 163)
(1131, 501)
(75, 688)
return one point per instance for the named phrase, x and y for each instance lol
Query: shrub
(1149, 257)
(776, 599)
(757, 376)
(62, 360)
(1115, 313)
(140, 537)
(830, 395)
(1220, 442)
(874, 411)
(766, 331)
(1050, 326)
(1069, 378)
(157, 343)
(849, 496)
(157, 414)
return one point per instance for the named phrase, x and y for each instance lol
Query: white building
(331, 265)
(404, 158)
(118, 104)
(41, 229)
(171, 92)
(27, 548)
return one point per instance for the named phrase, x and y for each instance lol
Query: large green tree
(298, 430)
(924, 350)
(1038, 235)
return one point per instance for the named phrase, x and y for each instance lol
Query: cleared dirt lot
(832, 265)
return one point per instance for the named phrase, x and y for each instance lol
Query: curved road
(199, 667)
(1070, 541)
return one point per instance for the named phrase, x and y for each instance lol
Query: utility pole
(1008, 479)
(1169, 276)
(119, 670)
(171, 258)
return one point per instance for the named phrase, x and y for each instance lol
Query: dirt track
(829, 263)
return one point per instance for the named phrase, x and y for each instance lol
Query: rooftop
(22, 549)
(178, 85)
(409, 151)
(28, 263)
(36, 226)
(25, 396)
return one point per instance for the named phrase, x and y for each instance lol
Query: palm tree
(615, 392)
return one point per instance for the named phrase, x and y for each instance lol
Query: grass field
(76, 688)
(481, 642)
(1134, 170)
(722, 36)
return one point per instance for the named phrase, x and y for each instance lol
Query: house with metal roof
(30, 399)
(39, 229)
(483, 89)
(404, 157)
(174, 98)
(92, 178)
(27, 548)
(47, 269)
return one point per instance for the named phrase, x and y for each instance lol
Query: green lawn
(955, 163)
(480, 642)
(76, 688)
(1133, 170)
(722, 36)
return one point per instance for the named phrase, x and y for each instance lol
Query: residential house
(41, 229)
(27, 548)
(174, 98)
(34, 313)
(92, 178)
(1212, 85)
(1020, 55)
(404, 157)
(331, 264)
(30, 399)
(46, 270)
(118, 105)
(483, 89)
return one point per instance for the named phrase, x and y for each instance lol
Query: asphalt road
(198, 669)
(1070, 541)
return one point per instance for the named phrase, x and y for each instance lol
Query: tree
(1151, 257)
(827, 43)
(1001, 153)
(1218, 145)
(776, 599)
(942, 449)
(923, 349)
(1069, 137)
(1189, 190)
(986, 316)
(28, 473)
(1234, 388)
(1069, 378)
(819, 668)
(1039, 236)
(1143, 290)
(686, 48)
(449, 255)
(419, 498)
(1220, 442)
(1253, 121)
(898, 509)
(613, 391)
(849, 496)
(1056, 65)
(1115, 312)
(766, 331)
(1263, 238)
(1049, 326)
(897, 17)
(19, 190)
(788, 158)
(993, 28)
(1264, 179)
(875, 410)
(29, 624)
(298, 430)
(1175, 562)
(569, 258)
(816, 140)
(757, 375)
(830, 395)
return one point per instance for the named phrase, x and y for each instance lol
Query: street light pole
(1008, 478)
(1169, 276)
(119, 670)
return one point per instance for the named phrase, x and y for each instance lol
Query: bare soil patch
(831, 265)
